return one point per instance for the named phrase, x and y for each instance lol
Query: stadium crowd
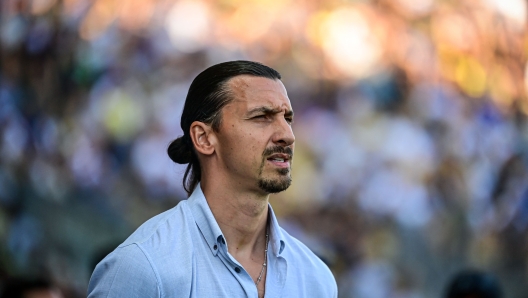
(410, 122)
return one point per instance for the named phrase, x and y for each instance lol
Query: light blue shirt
(182, 253)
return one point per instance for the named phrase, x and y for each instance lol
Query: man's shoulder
(138, 267)
(159, 249)
(165, 225)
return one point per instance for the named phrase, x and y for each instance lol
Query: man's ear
(203, 137)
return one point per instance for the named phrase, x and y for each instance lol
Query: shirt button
(215, 247)
(237, 270)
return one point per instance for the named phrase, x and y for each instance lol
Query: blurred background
(410, 122)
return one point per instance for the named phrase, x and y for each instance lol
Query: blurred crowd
(410, 121)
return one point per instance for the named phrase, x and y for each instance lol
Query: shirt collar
(276, 237)
(209, 228)
(205, 219)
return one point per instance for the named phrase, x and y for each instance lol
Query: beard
(276, 185)
(284, 180)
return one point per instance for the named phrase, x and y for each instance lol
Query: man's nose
(284, 133)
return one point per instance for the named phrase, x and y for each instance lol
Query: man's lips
(280, 159)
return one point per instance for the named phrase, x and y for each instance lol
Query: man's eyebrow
(269, 110)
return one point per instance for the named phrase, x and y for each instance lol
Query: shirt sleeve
(126, 272)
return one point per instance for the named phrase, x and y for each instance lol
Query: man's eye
(289, 120)
(260, 117)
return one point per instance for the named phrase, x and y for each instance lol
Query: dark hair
(208, 94)
(473, 283)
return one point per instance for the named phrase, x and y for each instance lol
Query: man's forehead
(243, 83)
(253, 90)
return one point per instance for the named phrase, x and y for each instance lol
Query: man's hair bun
(180, 151)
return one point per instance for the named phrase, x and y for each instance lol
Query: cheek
(253, 146)
(251, 138)
(245, 145)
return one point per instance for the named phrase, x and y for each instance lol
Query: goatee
(276, 185)
(284, 180)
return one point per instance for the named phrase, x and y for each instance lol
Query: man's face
(256, 141)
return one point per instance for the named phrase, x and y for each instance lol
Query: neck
(242, 217)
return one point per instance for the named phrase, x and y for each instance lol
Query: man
(224, 240)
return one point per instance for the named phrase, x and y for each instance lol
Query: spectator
(30, 288)
(473, 284)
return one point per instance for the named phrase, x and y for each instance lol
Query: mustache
(278, 149)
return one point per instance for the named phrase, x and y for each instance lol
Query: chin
(275, 185)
